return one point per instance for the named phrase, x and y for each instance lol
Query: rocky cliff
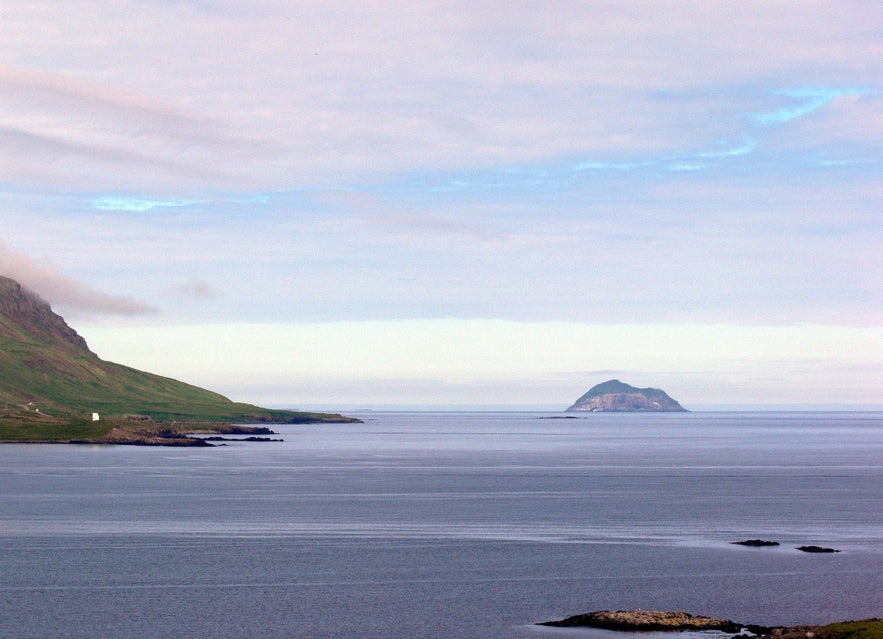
(615, 396)
(28, 314)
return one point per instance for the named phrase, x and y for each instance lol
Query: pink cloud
(281, 93)
(59, 289)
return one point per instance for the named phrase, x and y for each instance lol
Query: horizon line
(554, 408)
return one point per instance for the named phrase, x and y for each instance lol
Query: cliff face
(616, 397)
(27, 314)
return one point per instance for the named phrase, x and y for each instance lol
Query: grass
(865, 629)
(68, 383)
(50, 384)
(79, 430)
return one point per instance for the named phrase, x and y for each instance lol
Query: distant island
(614, 396)
(54, 389)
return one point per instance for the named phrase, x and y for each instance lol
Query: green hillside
(47, 374)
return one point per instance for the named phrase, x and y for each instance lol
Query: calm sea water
(448, 525)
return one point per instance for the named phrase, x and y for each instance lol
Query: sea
(454, 525)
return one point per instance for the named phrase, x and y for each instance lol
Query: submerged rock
(756, 543)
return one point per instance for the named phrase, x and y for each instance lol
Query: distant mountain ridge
(47, 372)
(614, 396)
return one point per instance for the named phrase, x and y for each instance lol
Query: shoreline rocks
(218, 438)
(645, 621)
(662, 621)
(181, 434)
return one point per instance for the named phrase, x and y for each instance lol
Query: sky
(470, 204)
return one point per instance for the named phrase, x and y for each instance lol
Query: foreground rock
(656, 621)
(645, 621)
(615, 396)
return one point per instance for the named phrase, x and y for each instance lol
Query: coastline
(137, 434)
(665, 621)
(142, 432)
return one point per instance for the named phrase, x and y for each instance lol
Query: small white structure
(94, 417)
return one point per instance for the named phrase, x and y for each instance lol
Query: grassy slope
(65, 382)
(866, 629)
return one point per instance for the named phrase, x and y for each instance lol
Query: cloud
(677, 162)
(77, 132)
(393, 218)
(809, 99)
(360, 89)
(847, 131)
(452, 159)
(34, 158)
(197, 288)
(63, 291)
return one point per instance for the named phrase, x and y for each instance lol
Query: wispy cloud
(743, 148)
(52, 285)
(76, 131)
(808, 100)
(303, 94)
(197, 288)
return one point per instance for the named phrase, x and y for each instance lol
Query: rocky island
(54, 389)
(664, 621)
(645, 621)
(614, 396)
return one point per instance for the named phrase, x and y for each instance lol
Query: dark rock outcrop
(816, 549)
(219, 438)
(155, 436)
(617, 397)
(756, 543)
